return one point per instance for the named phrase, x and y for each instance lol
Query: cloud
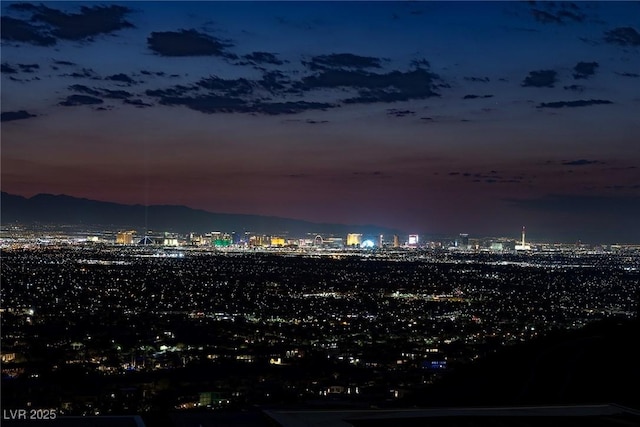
(121, 77)
(341, 61)
(623, 36)
(116, 94)
(274, 81)
(476, 96)
(541, 78)
(74, 100)
(558, 13)
(8, 69)
(263, 58)
(83, 74)
(388, 87)
(575, 88)
(29, 68)
(20, 31)
(85, 89)
(581, 162)
(579, 103)
(97, 92)
(91, 21)
(491, 177)
(288, 107)
(204, 103)
(8, 116)
(230, 87)
(584, 70)
(137, 103)
(629, 74)
(400, 113)
(188, 43)
(478, 79)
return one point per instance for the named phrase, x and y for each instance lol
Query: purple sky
(429, 117)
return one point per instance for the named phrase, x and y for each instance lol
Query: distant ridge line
(68, 210)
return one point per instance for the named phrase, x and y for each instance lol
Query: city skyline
(429, 117)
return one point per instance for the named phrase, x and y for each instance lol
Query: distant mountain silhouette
(67, 210)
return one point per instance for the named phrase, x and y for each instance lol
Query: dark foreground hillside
(596, 364)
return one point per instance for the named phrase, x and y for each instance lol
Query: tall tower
(523, 246)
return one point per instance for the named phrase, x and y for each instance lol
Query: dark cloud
(225, 103)
(82, 74)
(581, 162)
(8, 116)
(491, 177)
(584, 70)
(105, 93)
(389, 87)
(64, 63)
(557, 13)
(8, 69)
(74, 100)
(263, 58)
(579, 103)
(478, 79)
(187, 43)
(121, 78)
(341, 61)
(541, 78)
(575, 88)
(137, 102)
(623, 36)
(153, 73)
(420, 63)
(116, 94)
(628, 74)
(205, 103)
(274, 81)
(229, 87)
(20, 31)
(29, 68)
(288, 107)
(91, 21)
(400, 113)
(545, 17)
(315, 122)
(476, 96)
(84, 89)
(378, 174)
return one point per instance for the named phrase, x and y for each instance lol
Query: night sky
(428, 117)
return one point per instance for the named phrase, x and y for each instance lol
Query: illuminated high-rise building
(396, 241)
(124, 238)
(277, 241)
(413, 240)
(354, 239)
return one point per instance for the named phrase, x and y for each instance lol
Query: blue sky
(429, 117)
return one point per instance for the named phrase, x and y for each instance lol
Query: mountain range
(49, 209)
